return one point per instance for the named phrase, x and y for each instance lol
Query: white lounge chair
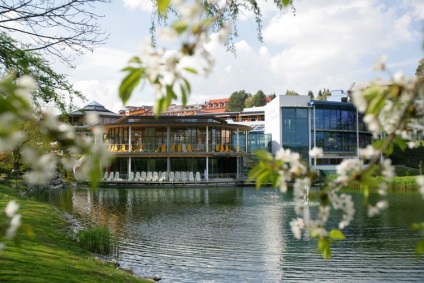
(143, 176)
(183, 176)
(105, 176)
(131, 177)
(191, 176)
(177, 176)
(184, 147)
(198, 178)
(110, 177)
(162, 177)
(137, 176)
(149, 176)
(155, 177)
(171, 176)
(117, 178)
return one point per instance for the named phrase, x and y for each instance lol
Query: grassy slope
(50, 256)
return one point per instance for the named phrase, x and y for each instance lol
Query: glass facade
(295, 123)
(335, 128)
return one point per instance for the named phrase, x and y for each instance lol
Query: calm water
(243, 235)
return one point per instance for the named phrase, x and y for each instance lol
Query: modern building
(176, 148)
(298, 123)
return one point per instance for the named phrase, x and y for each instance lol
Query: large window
(295, 130)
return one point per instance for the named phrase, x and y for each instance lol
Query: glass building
(299, 124)
(189, 146)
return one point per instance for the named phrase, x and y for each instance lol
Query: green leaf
(129, 83)
(191, 70)
(378, 144)
(180, 26)
(286, 2)
(135, 59)
(400, 143)
(254, 172)
(419, 249)
(263, 178)
(264, 155)
(324, 247)
(336, 234)
(183, 95)
(163, 5)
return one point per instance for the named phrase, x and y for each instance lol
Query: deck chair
(162, 176)
(183, 176)
(198, 179)
(155, 177)
(217, 147)
(117, 178)
(105, 176)
(131, 176)
(163, 148)
(172, 147)
(179, 147)
(137, 176)
(177, 176)
(115, 148)
(149, 176)
(189, 148)
(123, 148)
(227, 148)
(191, 176)
(184, 147)
(110, 177)
(143, 176)
(171, 176)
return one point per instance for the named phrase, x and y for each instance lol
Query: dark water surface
(243, 235)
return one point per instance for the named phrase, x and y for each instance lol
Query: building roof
(94, 107)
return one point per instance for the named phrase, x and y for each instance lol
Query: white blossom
(297, 225)
(316, 152)
(380, 65)
(11, 208)
(359, 100)
(368, 152)
(420, 183)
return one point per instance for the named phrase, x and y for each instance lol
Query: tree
(54, 26)
(236, 102)
(322, 95)
(272, 96)
(248, 103)
(259, 99)
(53, 87)
(291, 92)
(311, 94)
(420, 69)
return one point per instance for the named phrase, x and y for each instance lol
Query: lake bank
(51, 256)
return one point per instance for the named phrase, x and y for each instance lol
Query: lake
(243, 235)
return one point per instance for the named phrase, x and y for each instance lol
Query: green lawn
(50, 256)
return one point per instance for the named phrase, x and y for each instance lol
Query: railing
(146, 147)
(172, 176)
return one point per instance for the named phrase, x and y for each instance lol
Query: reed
(99, 240)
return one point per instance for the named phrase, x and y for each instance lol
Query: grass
(98, 240)
(405, 183)
(50, 256)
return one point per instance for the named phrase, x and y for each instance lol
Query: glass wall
(296, 130)
(336, 128)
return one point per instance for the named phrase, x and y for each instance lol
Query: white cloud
(139, 4)
(321, 44)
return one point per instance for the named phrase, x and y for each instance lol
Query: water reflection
(243, 235)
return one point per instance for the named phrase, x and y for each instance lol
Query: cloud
(139, 4)
(322, 43)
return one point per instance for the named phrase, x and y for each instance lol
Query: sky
(325, 44)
